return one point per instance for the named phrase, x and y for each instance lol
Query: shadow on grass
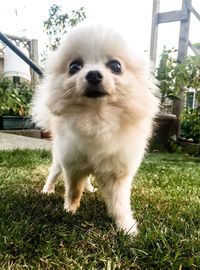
(34, 224)
(36, 232)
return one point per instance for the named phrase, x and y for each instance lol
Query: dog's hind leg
(117, 196)
(55, 171)
(88, 185)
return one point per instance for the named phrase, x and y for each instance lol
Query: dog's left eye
(75, 66)
(114, 66)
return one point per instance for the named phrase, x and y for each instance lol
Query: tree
(57, 24)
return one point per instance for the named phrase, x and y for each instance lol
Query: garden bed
(16, 122)
(189, 148)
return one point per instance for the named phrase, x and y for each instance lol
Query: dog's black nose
(94, 77)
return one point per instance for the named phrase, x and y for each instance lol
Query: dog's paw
(71, 206)
(128, 227)
(88, 186)
(133, 230)
(48, 189)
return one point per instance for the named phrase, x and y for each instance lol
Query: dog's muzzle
(94, 88)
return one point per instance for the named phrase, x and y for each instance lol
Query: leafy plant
(175, 81)
(14, 99)
(175, 77)
(58, 23)
(190, 124)
(165, 75)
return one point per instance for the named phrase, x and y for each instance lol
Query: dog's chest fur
(97, 141)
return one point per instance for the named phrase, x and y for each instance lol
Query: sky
(132, 18)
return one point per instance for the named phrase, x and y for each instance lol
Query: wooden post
(184, 31)
(154, 31)
(35, 57)
(183, 16)
(182, 53)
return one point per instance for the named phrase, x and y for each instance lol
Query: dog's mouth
(95, 92)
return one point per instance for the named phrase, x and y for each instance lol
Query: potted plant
(14, 105)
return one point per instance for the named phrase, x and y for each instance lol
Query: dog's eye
(114, 66)
(75, 66)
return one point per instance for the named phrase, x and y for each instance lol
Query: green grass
(35, 232)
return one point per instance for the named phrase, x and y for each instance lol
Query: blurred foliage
(190, 124)
(57, 24)
(175, 77)
(15, 98)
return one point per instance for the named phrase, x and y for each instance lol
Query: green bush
(175, 81)
(165, 75)
(175, 78)
(14, 98)
(190, 124)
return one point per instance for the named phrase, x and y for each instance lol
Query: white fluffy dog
(99, 101)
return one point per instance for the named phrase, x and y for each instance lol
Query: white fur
(105, 136)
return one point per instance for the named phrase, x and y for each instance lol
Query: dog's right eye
(75, 66)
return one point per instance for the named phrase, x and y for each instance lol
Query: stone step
(34, 133)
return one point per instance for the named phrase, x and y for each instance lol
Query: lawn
(35, 232)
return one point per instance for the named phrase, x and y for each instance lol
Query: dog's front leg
(74, 187)
(117, 196)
